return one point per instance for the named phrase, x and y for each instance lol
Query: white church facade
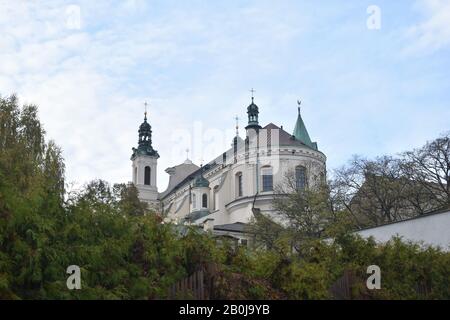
(223, 195)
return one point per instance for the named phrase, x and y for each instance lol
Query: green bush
(127, 254)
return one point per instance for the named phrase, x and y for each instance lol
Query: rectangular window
(300, 177)
(240, 186)
(194, 201)
(216, 197)
(267, 179)
(204, 201)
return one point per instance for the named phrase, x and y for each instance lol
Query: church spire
(300, 133)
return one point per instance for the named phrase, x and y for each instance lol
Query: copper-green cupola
(145, 140)
(301, 134)
(252, 111)
(200, 181)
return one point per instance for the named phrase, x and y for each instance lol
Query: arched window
(300, 178)
(147, 175)
(267, 179)
(239, 188)
(204, 200)
(135, 176)
(194, 201)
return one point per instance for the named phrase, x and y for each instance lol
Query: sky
(373, 76)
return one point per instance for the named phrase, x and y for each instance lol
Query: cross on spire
(299, 102)
(237, 125)
(145, 112)
(252, 91)
(187, 153)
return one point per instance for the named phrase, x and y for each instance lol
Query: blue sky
(368, 92)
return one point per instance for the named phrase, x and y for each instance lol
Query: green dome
(252, 108)
(201, 182)
(145, 141)
(145, 127)
(252, 111)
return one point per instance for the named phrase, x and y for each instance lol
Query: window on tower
(300, 177)
(147, 175)
(194, 201)
(204, 200)
(216, 197)
(239, 189)
(267, 179)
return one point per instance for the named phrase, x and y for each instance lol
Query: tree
(31, 200)
(128, 200)
(126, 254)
(389, 189)
(373, 191)
(301, 216)
(429, 168)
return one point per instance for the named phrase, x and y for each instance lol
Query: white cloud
(191, 63)
(82, 79)
(433, 33)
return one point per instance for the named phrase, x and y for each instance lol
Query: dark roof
(234, 227)
(193, 216)
(189, 178)
(183, 230)
(285, 138)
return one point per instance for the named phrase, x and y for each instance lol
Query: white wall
(433, 229)
(232, 208)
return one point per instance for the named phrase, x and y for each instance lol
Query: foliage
(125, 252)
(388, 188)
(301, 216)
(429, 167)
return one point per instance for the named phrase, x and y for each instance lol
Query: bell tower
(253, 112)
(144, 164)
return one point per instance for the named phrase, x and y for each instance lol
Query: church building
(223, 195)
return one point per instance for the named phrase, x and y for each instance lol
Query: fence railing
(342, 288)
(200, 286)
(192, 287)
(197, 286)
